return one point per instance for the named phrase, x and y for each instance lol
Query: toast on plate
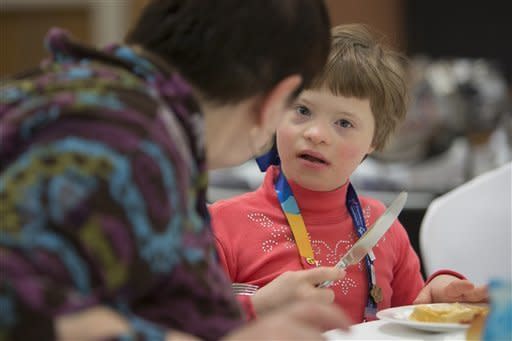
(448, 312)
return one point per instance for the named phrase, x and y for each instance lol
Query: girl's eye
(302, 110)
(344, 124)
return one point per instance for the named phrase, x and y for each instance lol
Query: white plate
(400, 315)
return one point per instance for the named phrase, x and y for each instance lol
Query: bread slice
(447, 313)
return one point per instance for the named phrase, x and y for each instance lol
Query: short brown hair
(361, 66)
(232, 49)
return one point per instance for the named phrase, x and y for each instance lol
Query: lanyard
(292, 212)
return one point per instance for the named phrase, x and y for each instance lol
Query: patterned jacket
(102, 192)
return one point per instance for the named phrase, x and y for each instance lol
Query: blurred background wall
(438, 28)
(24, 23)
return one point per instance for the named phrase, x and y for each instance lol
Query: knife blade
(372, 235)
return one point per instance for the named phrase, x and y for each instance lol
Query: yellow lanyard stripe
(300, 234)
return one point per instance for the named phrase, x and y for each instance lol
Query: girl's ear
(371, 149)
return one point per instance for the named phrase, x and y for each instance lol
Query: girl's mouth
(311, 158)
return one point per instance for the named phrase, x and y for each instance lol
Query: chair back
(469, 228)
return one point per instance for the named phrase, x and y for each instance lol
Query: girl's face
(323, 139)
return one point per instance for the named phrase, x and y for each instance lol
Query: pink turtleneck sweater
(256, 245)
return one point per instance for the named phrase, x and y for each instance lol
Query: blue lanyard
(290, 207)
(356, 212)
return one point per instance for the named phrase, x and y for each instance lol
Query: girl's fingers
(318, 275)
(317, 294)
(465, 291)
(458, 288)
(478, 294)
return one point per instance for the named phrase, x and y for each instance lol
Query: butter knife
(371, 236)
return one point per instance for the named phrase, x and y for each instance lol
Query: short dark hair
(233, 49)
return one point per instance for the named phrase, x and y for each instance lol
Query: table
(383, 330)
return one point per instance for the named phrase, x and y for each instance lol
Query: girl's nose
(316, 133)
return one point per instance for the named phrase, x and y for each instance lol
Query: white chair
(469, 228)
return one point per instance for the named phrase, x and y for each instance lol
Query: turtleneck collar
(315, 206)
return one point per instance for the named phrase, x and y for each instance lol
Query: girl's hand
(447, 288)
(295, 286)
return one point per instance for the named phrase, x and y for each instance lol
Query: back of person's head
(231, 50)
(360, 65)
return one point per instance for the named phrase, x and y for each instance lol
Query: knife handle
(324, 284)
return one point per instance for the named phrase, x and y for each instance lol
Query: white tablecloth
(383, 330)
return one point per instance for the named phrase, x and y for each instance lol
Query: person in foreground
(349, 111)
(105, 231)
